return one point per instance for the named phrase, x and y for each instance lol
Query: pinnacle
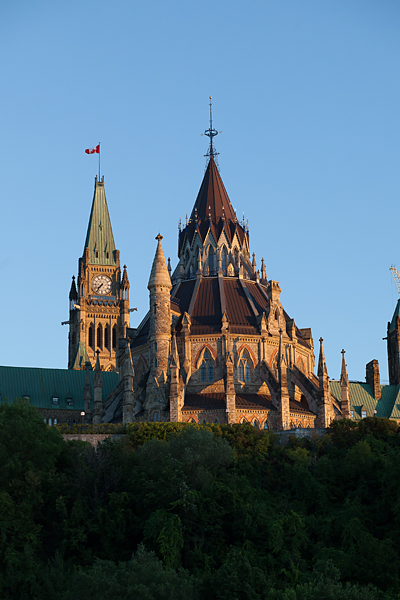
(159, 272)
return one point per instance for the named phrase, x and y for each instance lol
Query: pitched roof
(362, 399)
(395, 315)
(99, 237)
(212, 210)
(42, 385)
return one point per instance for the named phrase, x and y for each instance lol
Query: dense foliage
(177, 511)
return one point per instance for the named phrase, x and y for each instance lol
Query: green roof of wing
(99, 237)
(42, 385)
(361, 398)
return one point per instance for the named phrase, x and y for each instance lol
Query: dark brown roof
(240, 315)
(300, 408)
(204, 402)
(212, 210)
(254, 402)
(206, 315)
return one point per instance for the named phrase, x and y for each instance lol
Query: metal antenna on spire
(211, 133)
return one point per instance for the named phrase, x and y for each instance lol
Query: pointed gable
(99, 237)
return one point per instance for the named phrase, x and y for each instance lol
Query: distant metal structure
(396, 277)
(211, 133)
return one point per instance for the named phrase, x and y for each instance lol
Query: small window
(55, 421)
(50, 423)
(363, 414)
(265, 425)
(107, 255)
(55, 401)
(352, 414)
(97, 254)
(70, 402)
(26, 397)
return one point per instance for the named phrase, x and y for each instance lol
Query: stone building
(217, 344)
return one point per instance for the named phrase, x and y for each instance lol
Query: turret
(283, 406)
(345, 389)
(325, 408)
(159, 287)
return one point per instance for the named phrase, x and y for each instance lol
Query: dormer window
(55, 401)
(70, 402)
(352, 414)
(363, 414)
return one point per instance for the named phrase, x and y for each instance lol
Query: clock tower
(99, 301)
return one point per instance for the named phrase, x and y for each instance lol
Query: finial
(186, 219)
(180, 225)
(321, 340)
(211, 133)
(343, 352)
(159, 237)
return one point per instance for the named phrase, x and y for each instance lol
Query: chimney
(373, 379)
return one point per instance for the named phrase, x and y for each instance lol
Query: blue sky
(307, 95)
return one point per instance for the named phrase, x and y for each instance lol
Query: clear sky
(307, 95)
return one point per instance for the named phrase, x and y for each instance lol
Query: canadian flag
(95, 150)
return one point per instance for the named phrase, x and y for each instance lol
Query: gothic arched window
(224, 255)
(211, 259)
(107, 337)
(99, 336)
(91, 335)
(207, 368)
(114, 336)
(244, 370)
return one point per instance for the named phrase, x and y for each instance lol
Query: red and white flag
(95, 150)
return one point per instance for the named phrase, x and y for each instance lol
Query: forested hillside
(198, 512)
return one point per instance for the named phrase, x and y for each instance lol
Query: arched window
(266, 425)
(256, 424)
(207, 368)
(107, 337)
(99, 336)
(224, 259)
(244, 369)
(277, 315)
(114, 337)
(91, 336)
(211, 259)
(50, 423)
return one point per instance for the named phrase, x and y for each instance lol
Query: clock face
(101, 284)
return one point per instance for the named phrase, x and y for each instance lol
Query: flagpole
(99, 161)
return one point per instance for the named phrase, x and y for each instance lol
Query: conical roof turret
(322, 370)
(99, 238)
(73, 293)
(159, 271)
(212, 209)
(344, 379)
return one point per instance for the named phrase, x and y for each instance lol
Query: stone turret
(128, 393)
(175, 391)
(283, 404)
(159, 287)
(345, 389)
(325, 409)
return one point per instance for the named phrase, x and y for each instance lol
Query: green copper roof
(361, 398)
(395, 314)
(81, 357)
(42, 385)
(99, 237)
